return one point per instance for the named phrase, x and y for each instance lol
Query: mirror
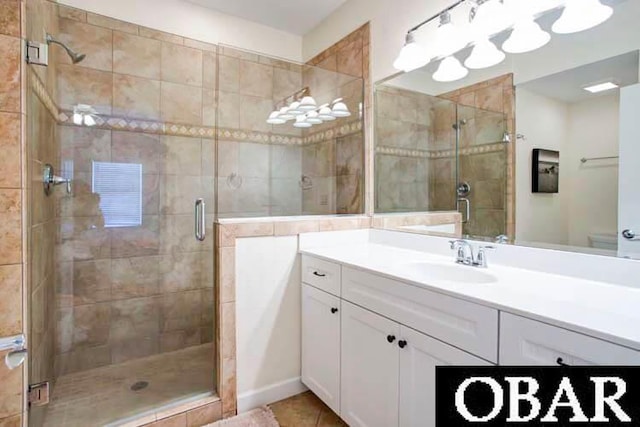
(538, 150)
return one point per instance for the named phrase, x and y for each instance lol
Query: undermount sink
(449, 273)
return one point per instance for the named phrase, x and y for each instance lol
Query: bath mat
(261, 417)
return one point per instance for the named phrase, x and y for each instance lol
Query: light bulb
(301, 122)
(340, 109)
(412, 56)
(491, 17)
(485, 54)
(325, 114)
(77, 119)
(580, 15)
(89, 120)
(449, 38)
(285, 115)
(275, 119)
(312, 117)
(450, 70)
(526, 36)
(307, 104)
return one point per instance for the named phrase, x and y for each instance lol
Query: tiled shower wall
(12, 201)
(126, 293)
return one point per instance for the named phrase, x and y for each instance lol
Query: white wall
(193, 21)
(390, 21)
(267, 320)
(544, 121)
(593, 200)
(588, 199)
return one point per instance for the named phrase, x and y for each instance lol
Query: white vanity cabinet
(321, 345)
(370, 366)
(525, 342)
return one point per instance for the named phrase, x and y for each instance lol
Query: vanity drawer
(525, 342)
(322, 274)
(468, 326)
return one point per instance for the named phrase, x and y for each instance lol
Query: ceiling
(567, 86)
(297, 17)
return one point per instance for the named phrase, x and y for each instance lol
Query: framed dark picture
(545, 171)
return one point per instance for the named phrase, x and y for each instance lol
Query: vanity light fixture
(449, 37)
(412, 56)
(312, 117)
(450, 70)
(580, 15)
(340, 109)
(307, 104)
(294, 109)
(285, 114)
(485, 54)
(526, 36)
(491, 17)
(601, 87)
(302, 108)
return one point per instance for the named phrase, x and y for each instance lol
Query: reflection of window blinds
(120, 188)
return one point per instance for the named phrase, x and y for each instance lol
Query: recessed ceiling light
(601, 87)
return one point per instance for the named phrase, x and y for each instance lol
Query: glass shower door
(482, 171)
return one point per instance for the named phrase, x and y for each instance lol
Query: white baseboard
(255, 398)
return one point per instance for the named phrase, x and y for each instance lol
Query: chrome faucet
(465, 256)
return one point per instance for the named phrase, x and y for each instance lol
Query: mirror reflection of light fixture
(485, 54)
(84, 115)
(312, 117)
(412, 56)
(324, 113)
(294, 109)
(450, 70)
(301, 122)
(285, 114)
(580, 15)
(526, 36)
(340, 109)
(449, 38)
(275, 119)
(307, 104)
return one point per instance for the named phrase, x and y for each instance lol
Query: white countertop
(606, 311)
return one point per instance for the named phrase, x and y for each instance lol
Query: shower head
(75, 56)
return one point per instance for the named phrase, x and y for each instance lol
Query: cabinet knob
(315, 273)
(560, 361)
(334, 310)
(391, 338)
(402, 343)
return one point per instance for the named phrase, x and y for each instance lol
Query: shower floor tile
(102, 396)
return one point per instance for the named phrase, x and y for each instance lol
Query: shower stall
(137, 141)
(435, 155)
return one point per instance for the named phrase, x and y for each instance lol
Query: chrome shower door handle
(468, 209)
(200, 220)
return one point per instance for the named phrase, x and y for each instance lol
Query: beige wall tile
(10, 300)
(143, 240)
(84, 145)
(204, 415)
(95, 42)
(78, 85)
(227, 274)
(209, 107)
(256, 80)
(135, 277)
(210, 70)
(91, 324)
(85, 282)
(227, 233)
(196, 44)
(136, 97)
(82, 359)
(181, 103)
(10, 18)
(10, 48)
(254, 112)
(350, 59)
(114, 24)
(10, 237)
(179, 420)
(134, 147)
(229, 110)
(160, 35)
(136, 56)
(181, 64)
(10, 151)
(15, 421)
(181, 156)
(178, 193)
(229, 73)
(72, 13)
(288, 228)
(11, 391)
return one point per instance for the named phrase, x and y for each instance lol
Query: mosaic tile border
(423, 154)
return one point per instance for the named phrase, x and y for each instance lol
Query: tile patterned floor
(305, 410)
(101, 396)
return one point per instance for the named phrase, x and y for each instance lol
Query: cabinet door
(418, 360)
(370, 368)
(321, 345)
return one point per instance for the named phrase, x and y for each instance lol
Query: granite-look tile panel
(11, 393)
(72, 13)
(182, 65)
(10, 48)
(10, 151)
(136, 97)
(204, 415)
(181, 103)
(160, 35)
(10, 300)
(78, 85)
(10, 18)
(95, 42)
(136, 56)
(114, 24)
